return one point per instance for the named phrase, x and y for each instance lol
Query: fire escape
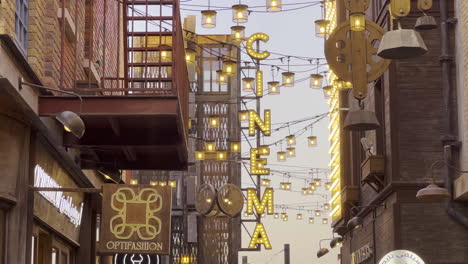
(137, 119)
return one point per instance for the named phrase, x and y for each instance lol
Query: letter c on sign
(250, 41)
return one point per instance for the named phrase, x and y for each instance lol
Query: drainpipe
(449, 140)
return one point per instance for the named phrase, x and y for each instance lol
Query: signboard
(136, 219)
(401, 257)
(362, 254)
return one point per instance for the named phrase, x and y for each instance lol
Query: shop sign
(401, 257)
(136, 259)
(60, 201)
(136, 219)
(362, 254)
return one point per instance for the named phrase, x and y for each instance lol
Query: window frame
(22, 25)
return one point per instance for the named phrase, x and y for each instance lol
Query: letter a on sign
(260, 237)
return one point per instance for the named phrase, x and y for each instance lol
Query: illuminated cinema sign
(60, 201)
(136, 219)
(401, 257)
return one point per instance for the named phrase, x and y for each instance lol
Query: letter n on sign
(135, 219)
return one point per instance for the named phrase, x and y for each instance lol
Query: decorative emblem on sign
(136, 219)
(128, 205)
(401, 257)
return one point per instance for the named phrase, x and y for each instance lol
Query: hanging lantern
(316, 80)
(281, 155)
(229, 68)
(154, 183)
(312, 141)
(221, 77)
(317, 182)
(328, 185)
(273, 5)
(163, 183)
(264, 150)
(310, 191)
(291, 152)
(237, 34)
(312, 186)
(357, 21)
(190, 55)
(285, 218)
(299, 217)
(221, 155)
(283, 215)
(325, 221)
(273, 87)
(285, 186)
(347, 85)
(243, 116)
(321, 28)
(291, 140)
(338, 84)
(208, 18)
(311, 220)
(199, 155)
(266, 182)
(318, 213)
(326, 206)
(214, 121)
(288, 79)
(235, 146)
(210, 146)
(240, 14)
(133, 181)
(327, 91)
(185, 259)
(165, 55)
(248, 84)
(276, 216)
(305, 191)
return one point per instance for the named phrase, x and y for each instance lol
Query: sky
(291, 33)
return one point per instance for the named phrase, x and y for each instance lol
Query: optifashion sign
(136, 219)
(60, 201)
(401, 257)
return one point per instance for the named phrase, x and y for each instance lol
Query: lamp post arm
(55, 90)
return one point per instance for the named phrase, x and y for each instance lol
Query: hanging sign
(362, 254)
(136, 219)
(401, 257)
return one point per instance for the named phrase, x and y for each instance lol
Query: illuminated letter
(260, 237)
(267, 201)
(259, 86)
(252, 53)
(257, 164)
(265, 126)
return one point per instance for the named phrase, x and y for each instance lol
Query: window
(21, 24)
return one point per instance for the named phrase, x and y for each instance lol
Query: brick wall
(57, 60)
(462, 79)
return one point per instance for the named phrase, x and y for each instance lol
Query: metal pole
(287, 258)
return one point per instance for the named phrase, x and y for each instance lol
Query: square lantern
(310, 191)
(291, 152)
(325, 221)
(299, 217)
(165, 54)
(154, 183)
(266, 182)
(316, 81)
(237, 34)
(221, 155)
(327, 91)
(190, 55)
(276, 216)
(311, 220)
(328, 185)
(285, 218)
(281, 155)
(305, 191)
(273, 5)
(243, 116)
(208, 18)
(273, 87)
(199, 155)
(291, 140)
(312, 186)
(163, 183)
(318, 213)
(357, 21)
(235, 147)
(134, 181)
(283, 215)
(326, 206)
(288, 79)
(338, 83)
(172, 183)
(240, 14)
(264, 150)
(210, 146)
(312, 140)
(214, 121)
(285, 186)
(229, 68)
(221, 77)
(321, 28)
(317, 182)
(248, 84)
